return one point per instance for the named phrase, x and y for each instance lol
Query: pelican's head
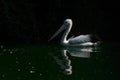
(67, 23)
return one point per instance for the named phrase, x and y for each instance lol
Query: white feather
(80, 39)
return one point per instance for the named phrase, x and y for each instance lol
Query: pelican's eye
(67, 24)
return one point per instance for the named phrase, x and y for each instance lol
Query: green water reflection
(48, 62)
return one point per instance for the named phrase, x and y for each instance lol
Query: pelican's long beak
(58, 31)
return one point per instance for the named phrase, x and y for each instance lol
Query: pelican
(82, 40)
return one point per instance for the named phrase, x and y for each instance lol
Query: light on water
(40, 74)
(11, 52)
(29, 63)
(19, 70)
(32, 72)
(57, 63)
(3, 76)
(1, 46)
(17, 62)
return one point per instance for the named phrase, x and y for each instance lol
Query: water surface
(53, 62)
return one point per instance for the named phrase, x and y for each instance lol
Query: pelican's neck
(64, 37)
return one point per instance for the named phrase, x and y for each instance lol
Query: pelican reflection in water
(82, 40)
(64, 61)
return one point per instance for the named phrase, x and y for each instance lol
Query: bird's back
(80, 39)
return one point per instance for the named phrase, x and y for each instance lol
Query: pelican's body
(82, 40)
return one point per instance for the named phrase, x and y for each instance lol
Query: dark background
(31, 22)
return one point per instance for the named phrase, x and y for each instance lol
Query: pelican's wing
(80, 39)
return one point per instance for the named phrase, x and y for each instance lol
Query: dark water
(52, 62)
